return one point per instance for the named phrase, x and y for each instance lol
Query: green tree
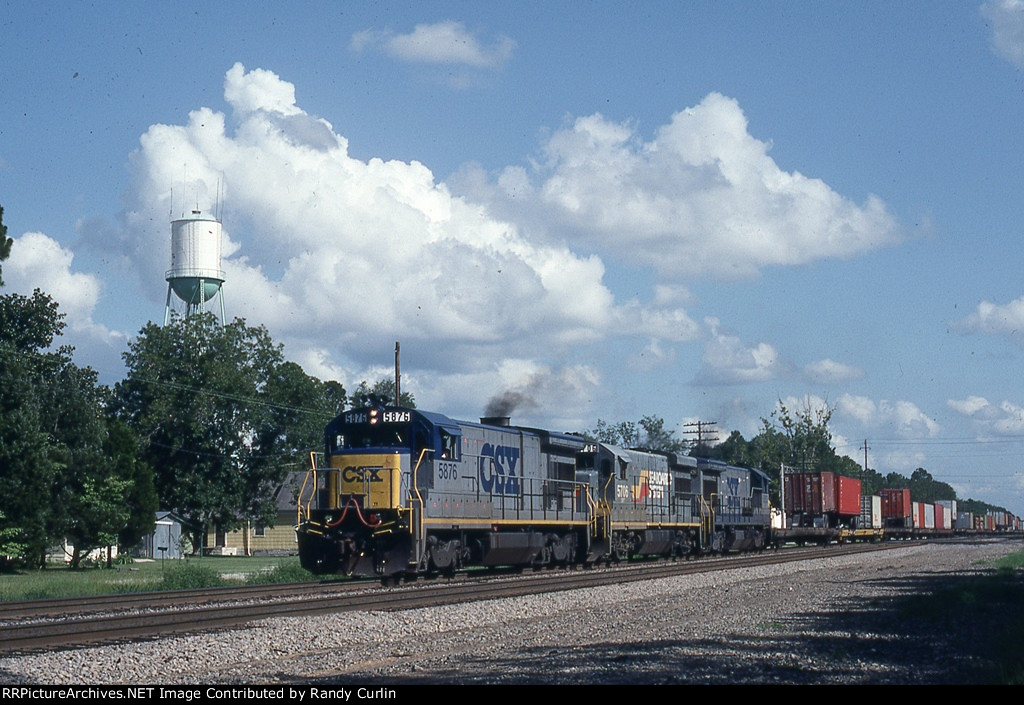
(57, 479)
(657, 437)
(298, 406)
(925, 488)
(383, 388)
(895, 480)
(121, 448)
(11, 542)
(221, 417)
(88, 509)
(624, 433)
(805, 436)
(29, 459)
(735, 450)
(649, 433)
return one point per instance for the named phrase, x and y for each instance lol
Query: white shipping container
(948, 512)
(870, 512)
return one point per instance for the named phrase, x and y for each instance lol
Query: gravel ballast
(837, 620)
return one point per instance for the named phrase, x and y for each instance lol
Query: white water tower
(195, 276)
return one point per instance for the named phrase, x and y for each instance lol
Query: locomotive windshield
(375, 437)
(372, 428)
(381, 428)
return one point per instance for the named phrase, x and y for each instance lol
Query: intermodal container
(948, 513)
(896, 504)
(870, 512)
(847, 496)
(810, 493)
(820, 493)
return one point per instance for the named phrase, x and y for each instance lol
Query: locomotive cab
(378, 458)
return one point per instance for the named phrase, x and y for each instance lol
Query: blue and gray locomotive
(406, 492)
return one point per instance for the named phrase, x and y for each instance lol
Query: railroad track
(165, 599)
(116, 619)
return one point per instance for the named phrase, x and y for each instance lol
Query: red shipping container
(896, 504)
(810, 493)
(818, 493)
(847, 495)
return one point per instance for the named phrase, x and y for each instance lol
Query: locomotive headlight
(373, 416)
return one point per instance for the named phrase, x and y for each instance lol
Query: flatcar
(409, 492)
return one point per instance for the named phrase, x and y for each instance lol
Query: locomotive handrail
(591, 509)
(416, 503)
(706, 519)
(507, 507)
(608, 507)
(415, 479)
(298, 503)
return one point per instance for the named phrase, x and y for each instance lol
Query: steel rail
(80, 631)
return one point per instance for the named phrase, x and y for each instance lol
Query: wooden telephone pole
(701, 428)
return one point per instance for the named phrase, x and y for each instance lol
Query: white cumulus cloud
(727, 360)
(991, 420)
(703, 197)
(340, 257)
(38, 261)
(886, 418)
(996, 319)
(447, 42)
(829, 371)
(1007, 21)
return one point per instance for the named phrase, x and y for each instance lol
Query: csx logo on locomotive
(498, 469)
(362, 473)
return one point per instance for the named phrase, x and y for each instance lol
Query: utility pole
(701, 427)
(398, 374)
(865, 473)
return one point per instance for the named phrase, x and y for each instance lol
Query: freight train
(822, 507)
(404, 492)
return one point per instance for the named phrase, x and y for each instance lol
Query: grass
(993, 605)
(1013, 561)
(141, 576)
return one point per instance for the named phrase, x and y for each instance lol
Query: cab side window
(450, 447)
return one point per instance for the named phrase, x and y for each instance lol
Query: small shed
(165, 541)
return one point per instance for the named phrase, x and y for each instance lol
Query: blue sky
(689, 209)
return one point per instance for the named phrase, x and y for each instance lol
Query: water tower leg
(196, 305)
(167, 306)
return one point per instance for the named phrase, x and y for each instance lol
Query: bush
(190, 576)
(290, 572)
